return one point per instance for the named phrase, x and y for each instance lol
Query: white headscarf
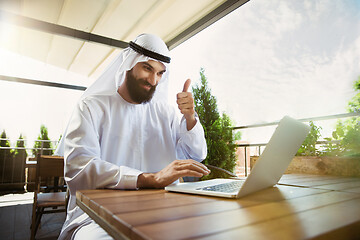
(114, 75)
(110, 80)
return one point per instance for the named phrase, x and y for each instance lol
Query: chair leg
(38, 218)
(33, 224)
(36, 222)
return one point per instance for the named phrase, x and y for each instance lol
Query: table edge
(101, 221)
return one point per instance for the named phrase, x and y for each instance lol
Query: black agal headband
(148, 53)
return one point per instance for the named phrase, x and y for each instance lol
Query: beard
(137, 93)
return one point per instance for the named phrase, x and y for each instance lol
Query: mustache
(146, 83)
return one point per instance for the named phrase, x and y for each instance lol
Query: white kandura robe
(109, 142)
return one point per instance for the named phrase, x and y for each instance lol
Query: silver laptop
(271, 165)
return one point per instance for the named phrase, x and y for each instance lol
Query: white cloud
(271, 58)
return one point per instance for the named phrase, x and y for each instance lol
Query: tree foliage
(20, 153)
(348, 131)
(354, 104)
(218, 133)
(5, 153)
(6, 159)
(345, 139)
(43, 143)
(308, 148)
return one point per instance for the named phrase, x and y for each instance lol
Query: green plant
(43, 143)
(308, 148)
(351, 141)
(218, 133)
(5, 153)
(20, 151)
(333, 146)
(19, 163)
(6, 159)
(20, 143)
(347, 132)
(354, 104)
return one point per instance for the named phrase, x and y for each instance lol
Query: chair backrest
(48, 167)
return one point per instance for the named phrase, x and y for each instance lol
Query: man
(124, 135)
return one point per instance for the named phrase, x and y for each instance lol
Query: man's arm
(186, 105)
(84, 168)
(191, 144)
(175, 170)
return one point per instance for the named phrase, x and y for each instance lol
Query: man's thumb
(186, 85)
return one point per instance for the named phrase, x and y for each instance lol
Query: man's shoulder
(98, 99)
(96, 103)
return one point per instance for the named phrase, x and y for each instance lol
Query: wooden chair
(47, 168)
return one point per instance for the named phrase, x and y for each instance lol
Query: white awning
(68, 33)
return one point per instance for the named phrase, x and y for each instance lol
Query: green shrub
(308, 148)
(39, 144)
(218, 132)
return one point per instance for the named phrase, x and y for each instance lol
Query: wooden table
(299, 207)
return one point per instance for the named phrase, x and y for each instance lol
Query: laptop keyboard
(224, 187)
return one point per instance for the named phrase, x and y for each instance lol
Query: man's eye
(147, 68)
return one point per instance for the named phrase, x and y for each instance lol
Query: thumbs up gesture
(185, 103)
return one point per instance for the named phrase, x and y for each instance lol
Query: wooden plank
(341, 186)
(334, 221)
(178, 212)
(112, 195)
(320, 182)
(178, 199)
(155, 204)
(310, 178)
(353, 190)
(221, 204)
(282, 192)
(146, 209)
(82, 198)
(108, 193)
(227, 220)
(135, 198)
(121, 197)
(298, 176)
(107, 226)
(134, 203)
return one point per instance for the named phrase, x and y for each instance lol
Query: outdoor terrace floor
(15, 219)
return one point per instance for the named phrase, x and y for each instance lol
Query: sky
(267, 59)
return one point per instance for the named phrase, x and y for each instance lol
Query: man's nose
(153, 79)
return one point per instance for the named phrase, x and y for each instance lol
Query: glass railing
(258, 147)
(17, 164)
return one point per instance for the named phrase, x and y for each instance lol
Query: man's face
(142, 80)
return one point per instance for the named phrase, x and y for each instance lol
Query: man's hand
(185, 102)
(175, 170)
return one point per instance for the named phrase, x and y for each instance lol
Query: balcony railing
(17, 172)
(9, 171)
(259, 145)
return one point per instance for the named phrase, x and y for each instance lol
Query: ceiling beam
(219, 12)
(41, 83)
(43, 26)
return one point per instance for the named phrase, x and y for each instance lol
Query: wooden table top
(299, 207)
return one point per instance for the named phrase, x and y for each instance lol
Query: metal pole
(245, 162)
(259, 151)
